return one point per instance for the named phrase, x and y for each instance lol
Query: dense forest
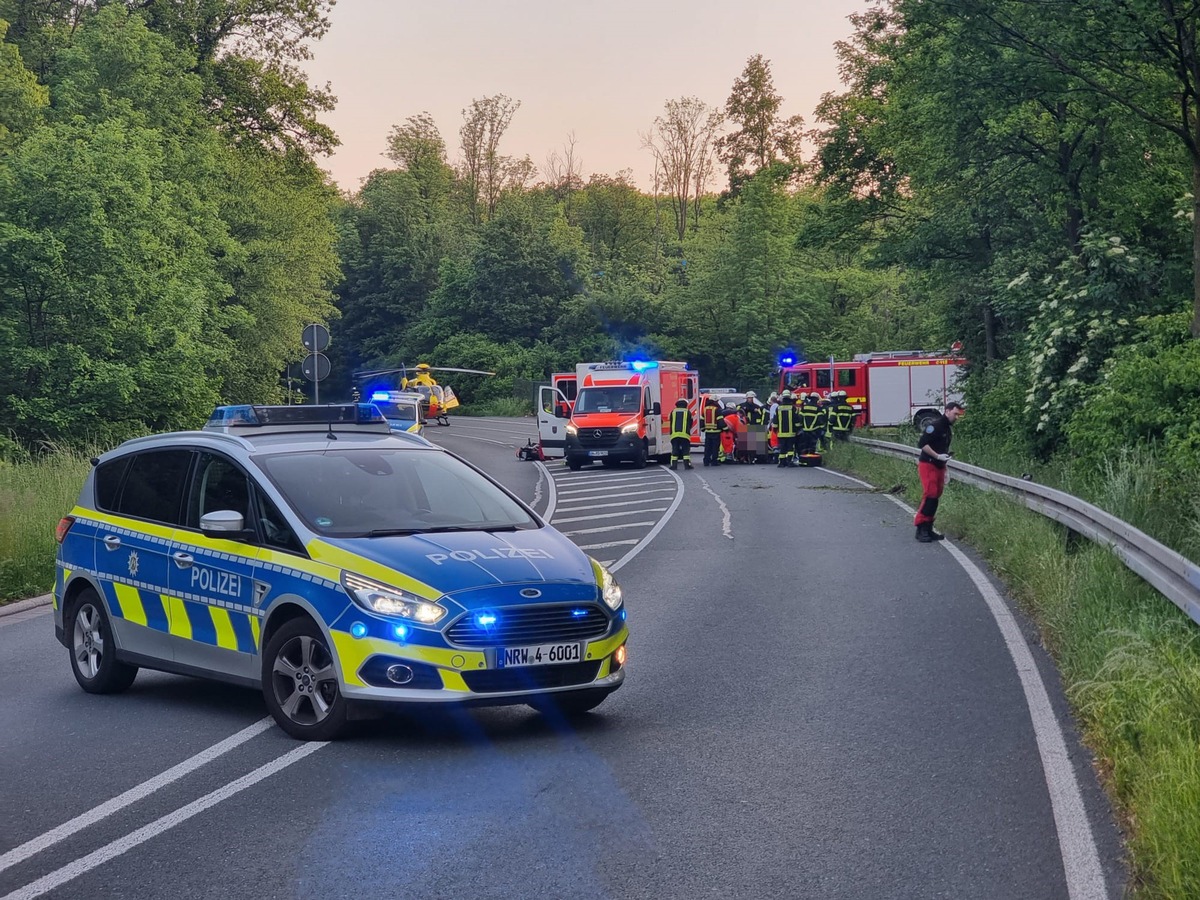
(1017, 175)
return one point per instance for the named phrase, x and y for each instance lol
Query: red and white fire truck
(613, 411)
(891, 388)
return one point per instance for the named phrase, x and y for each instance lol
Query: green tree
(762, 138)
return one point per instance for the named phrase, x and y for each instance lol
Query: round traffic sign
(315, 366)
(315, 337)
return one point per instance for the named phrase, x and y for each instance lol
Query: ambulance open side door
(552, 422)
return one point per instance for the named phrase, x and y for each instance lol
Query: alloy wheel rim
(88, 642)
(303, 680)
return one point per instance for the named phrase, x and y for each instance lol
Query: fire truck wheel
(925, 418)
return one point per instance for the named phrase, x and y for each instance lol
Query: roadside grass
(35, 492)
(1128, 658)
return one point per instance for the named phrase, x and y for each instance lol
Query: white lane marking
(158, 826)
(614, 515)
(726, 517)
(574, 508)
(653, 533)
(629, 490)
(551, 492)
(611, 479)
(134, 794)
(1081, 859)
(608, 544)
(537, 489)
(606, 528)
(606, 562)
(471, 437)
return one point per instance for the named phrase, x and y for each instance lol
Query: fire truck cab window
(798, 380)
(823, 378)
(845, 377)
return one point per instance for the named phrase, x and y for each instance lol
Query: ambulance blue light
(401, 632)
(579, 612)
(622, 615)
(641, 365)
(358, 629)
(380, 397)
(485, 620)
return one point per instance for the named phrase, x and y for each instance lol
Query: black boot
(687, 463)
(934, 535)
(925, 533)
(673, 465)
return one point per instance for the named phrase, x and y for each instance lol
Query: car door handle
(112, 542)
(183, 560)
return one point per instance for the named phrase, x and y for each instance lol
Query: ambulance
(620, 411)
(898, 387)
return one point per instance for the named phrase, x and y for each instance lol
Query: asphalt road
(816, 707)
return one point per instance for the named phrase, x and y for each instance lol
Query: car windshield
(609, 400)
(406, 412)
(378, 491)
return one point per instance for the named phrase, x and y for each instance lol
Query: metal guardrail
(1168, 572)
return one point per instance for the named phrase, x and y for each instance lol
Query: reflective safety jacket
(785, 421)
(713, 421)
(755, 414)
(681, 423)
(809, 414)
(842, 416)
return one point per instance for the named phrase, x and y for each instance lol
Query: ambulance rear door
(551, 422)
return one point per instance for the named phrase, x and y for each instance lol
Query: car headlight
(630, 428)
(610, 590)
(572, 428)
(389, 601)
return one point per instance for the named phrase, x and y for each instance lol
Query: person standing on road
(681, 434)
(785, 430)
(935, 453)
(714, 424)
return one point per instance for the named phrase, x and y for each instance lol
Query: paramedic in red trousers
(681, 435)
(713, 423)
(935, 453)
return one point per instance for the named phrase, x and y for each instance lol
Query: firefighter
(842, 417)
(785, 430)
(810, 415)
(755, 417)
(935, 453)
(681, 434)
(713, 425)
(824, 422)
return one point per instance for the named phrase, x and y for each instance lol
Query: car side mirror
(655, 409)
(225, 523)
(562, 411)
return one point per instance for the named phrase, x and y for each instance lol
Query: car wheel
(639, 461)
(93, 649)
(574, 465)
(300, 683)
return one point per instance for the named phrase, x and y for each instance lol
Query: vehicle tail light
(64, 525)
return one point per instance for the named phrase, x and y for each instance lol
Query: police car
(311, 553)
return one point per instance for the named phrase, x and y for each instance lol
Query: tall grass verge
(1128, 658)
(35, 492)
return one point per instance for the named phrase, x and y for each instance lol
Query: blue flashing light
(787, 359)
(577, 613)
(401, 632)
(641, 365)
(358, 629)
(380, 396)
(485, 620)
(622, 615)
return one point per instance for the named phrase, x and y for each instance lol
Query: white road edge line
(726, 516)
(653, 533)
(608, 544)
(158, 826)
(1081, 859)
(614, 505)
(551, 492)
(606, 528)
(134, 794)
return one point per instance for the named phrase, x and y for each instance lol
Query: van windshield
(609, 400)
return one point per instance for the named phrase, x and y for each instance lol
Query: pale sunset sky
(601, 70)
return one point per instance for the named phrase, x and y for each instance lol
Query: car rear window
(359, 492)
(108, 483)
(154, 486)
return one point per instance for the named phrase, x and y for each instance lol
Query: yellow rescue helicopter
(436, 399)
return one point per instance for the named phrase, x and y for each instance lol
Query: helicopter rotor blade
(453, 369)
